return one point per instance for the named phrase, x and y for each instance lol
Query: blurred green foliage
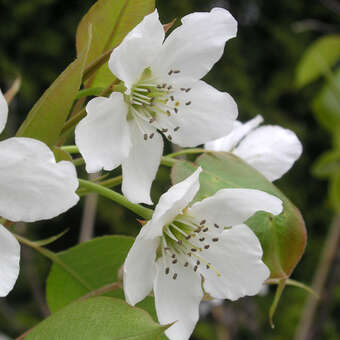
(258, 69)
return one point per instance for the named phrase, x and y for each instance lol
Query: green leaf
(327, 164)
(61, 155)
(319, 57)
(326, 105)
(111, 21)
(47, 117)
(96, 262)
(101, 318)
(283, 237)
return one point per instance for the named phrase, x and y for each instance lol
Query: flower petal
(237, 257)
(33, 185)
(204, 114)
(228, 142)
(3, 112)
(103, 135)
(177, 300)
(272, 150)
(9, 261)
(195, 46)
(139, 269)
(140, 167)
(171, 204)
(229, 207)
(137, 50)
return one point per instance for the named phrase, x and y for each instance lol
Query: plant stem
(72, 149)
(187, 152)
(102, 290)
(319, 281)
(116, 197)
(279, 290)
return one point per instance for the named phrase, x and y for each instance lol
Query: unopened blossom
(32, 187)
(184, 248)
(270, 149)
(163, 93)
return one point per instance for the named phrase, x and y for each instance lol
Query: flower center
(151, 100)
(185, 242)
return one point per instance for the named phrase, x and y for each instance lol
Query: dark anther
(152, 120)
(193, 249)
(169, 87)
(176, 110)
(164, 130)
(208, 265)
(175, 276)
(198, 262)
(207, 246)
(168, 112)
(151, 136)
(215, 239)
(179, 242)
(188, 103)
(216, 226)
(198, 230)
(195, 268)
(176, 128)
(186, 264)
(163, 86)
(170, 72)
(188, 89)
(202, 239)
(159, 86)
(205, 229)
(145, 136)
(169, 137)
(177, 71)
(173, 256)
(183, 89)
(167, 270)
(188, 237)
(189, 254)
(174, 261)
(172, 98)
(203, 222)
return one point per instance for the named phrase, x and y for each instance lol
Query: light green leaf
(47, 117)
(321, 55)
(100, 318)
(327, 164)
(96, 262)
(326, 105)
(111, 21)
(283, 237)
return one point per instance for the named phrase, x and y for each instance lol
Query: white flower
(32, 187)
(163, 92)
(270, 149)
(183, 247)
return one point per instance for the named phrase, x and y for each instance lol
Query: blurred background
(258, 69)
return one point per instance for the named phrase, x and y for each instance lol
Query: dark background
(257, 69)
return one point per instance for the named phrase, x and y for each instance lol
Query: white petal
(139, 269)
(137, 50)
(272, 150)
(33, 185)
(204, 114)
(140, 167)
(195, 46)
(171, 204)
(229, 207)
(236, 256)
(177, 300)
(9, 261)
(103, 135)
(239, 131)
(3, 112)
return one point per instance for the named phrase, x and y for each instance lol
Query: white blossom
(270, 149)
(182, 249)
(32, 187)
(163, 93)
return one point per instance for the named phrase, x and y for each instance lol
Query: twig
(319, 281)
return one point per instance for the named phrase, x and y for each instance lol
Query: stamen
(215, 239)
(203, 222)
(186, 264)
(195, 268)
(176, 128)
(188, 89)
(176, 71)
(170, 72)
(175, 276)
(207, 246)
(167, 270)
(164, 130)
(202, 239)
(172, 98)
(188, 103)
(169, 137)
(151, 136)
(216, 226)
(205, 230)
(174, 261)
(176, 110)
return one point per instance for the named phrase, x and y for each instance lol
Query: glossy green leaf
(283, 237)
(319, 57)
(97, 262)
(327, 164)
(326, 105)
(111, 21)
(101, 318)
(47, 117)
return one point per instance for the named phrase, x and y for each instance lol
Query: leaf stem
(187, 152)
(102, 290)
(279, 290)
(116, 197)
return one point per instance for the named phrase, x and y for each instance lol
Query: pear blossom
(270, 149)
(163, 93)
(32, 187)
(185, 251)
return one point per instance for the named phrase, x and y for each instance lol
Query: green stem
(168, 161)
(70, 149)
(279, 290)
(54, 258)
(116, 197)
(187, 152)
(109, 183)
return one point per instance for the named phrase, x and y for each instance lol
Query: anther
(186, 264)
(215, 239)
(189, 254)
(174, 261)
(170, 72)
(198, 262)
(152, 120)
(188, 89)
(193, 249)
(169, 137)
(167, 270)
(208, 265)
(177, 71)
(183, 89)
(163, 85)
(173, 256)
(203, 222)
(166, 248)
(202, 239)
(188, 103)
(168, 112)
(188, 237)
(205, 230)
(151, 136)
(216, 226)
(172, 98)
(207, 246)
(164, 130)
(176, 110)
(169, 87)
(175, 276)
(176, 128)
(198, 230)
(179, 242)
(145, 136)
(159, 86)
(195, 268)
(148, 90)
